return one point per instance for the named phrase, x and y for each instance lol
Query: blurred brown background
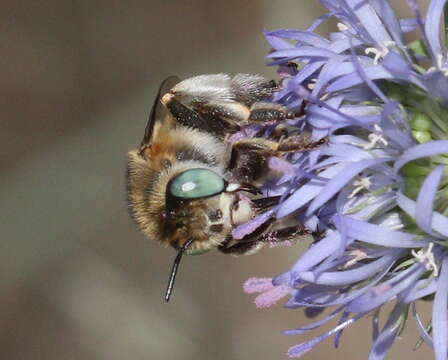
(77, 279)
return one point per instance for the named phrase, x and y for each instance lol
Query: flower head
(379, 188)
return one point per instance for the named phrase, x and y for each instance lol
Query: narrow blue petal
(301, 349)
(360, 70)
(395, 64)
(421, 328)
(306, 72)
(305, 37)
(307, 192)
(394, 125)
(374, 72)
(425, 199)
(302, 52)
(376, 325)
(316, 253)
(337, 337)
(440, 315)
(421, 289)
(370, 20)
(277, 43)
(436, 84)
(341, 45)
(383, 343)
(380, 235)
(439, 222)
(340, 180)
(389, 19)
(313, 256)
(431, 148)
(432, 26)
(320, 20)
(349, 152)
(335, 67)
(314, 325)
(386, 291)
(350, 276)
(344, 298)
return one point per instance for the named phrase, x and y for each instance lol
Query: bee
(188, 186)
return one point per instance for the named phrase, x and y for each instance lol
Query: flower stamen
(427, 258)
(358, 255)
(360, 184)
(379, 53)
(342, 26)
(374, 139)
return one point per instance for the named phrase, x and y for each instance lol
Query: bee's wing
(158, 110)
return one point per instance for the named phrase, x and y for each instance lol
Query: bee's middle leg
(249, 156)
(268, 111)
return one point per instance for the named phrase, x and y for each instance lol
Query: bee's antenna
(176, 263)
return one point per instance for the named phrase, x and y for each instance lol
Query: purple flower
(379, 188)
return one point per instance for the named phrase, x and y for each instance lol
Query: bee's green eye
(196, 183)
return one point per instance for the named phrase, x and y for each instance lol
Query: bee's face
(181, 203)
(197, 207)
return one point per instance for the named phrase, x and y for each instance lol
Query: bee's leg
(269, 112)
(267, 147)
(243, 248)
(252, 244)
(218, 119)
(249, 156)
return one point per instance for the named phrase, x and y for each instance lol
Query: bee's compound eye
(196, 183)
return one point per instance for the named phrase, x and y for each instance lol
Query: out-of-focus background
(78, 281)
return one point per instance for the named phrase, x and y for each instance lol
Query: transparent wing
(158, 111)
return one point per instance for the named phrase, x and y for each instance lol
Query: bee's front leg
(252, 243)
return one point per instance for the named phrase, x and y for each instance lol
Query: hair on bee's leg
(266, 147)
(269, 112)
(243, 248)
(251, 244)
(299, 143)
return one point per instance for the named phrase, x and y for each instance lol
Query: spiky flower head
(379, 188)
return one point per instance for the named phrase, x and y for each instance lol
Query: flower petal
(439, 222)
(340, 180)
(301, 349)
(350, 276)
(380, 235)
(431, 148)
(440, 315)
(391, 329)
(432, 27)
(425, 199)
(307, 192)
(314, 325)
(387, 290)
(315, 254)
(420, 328)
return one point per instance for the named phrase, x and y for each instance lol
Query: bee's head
(184, 201)
(197, 206)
